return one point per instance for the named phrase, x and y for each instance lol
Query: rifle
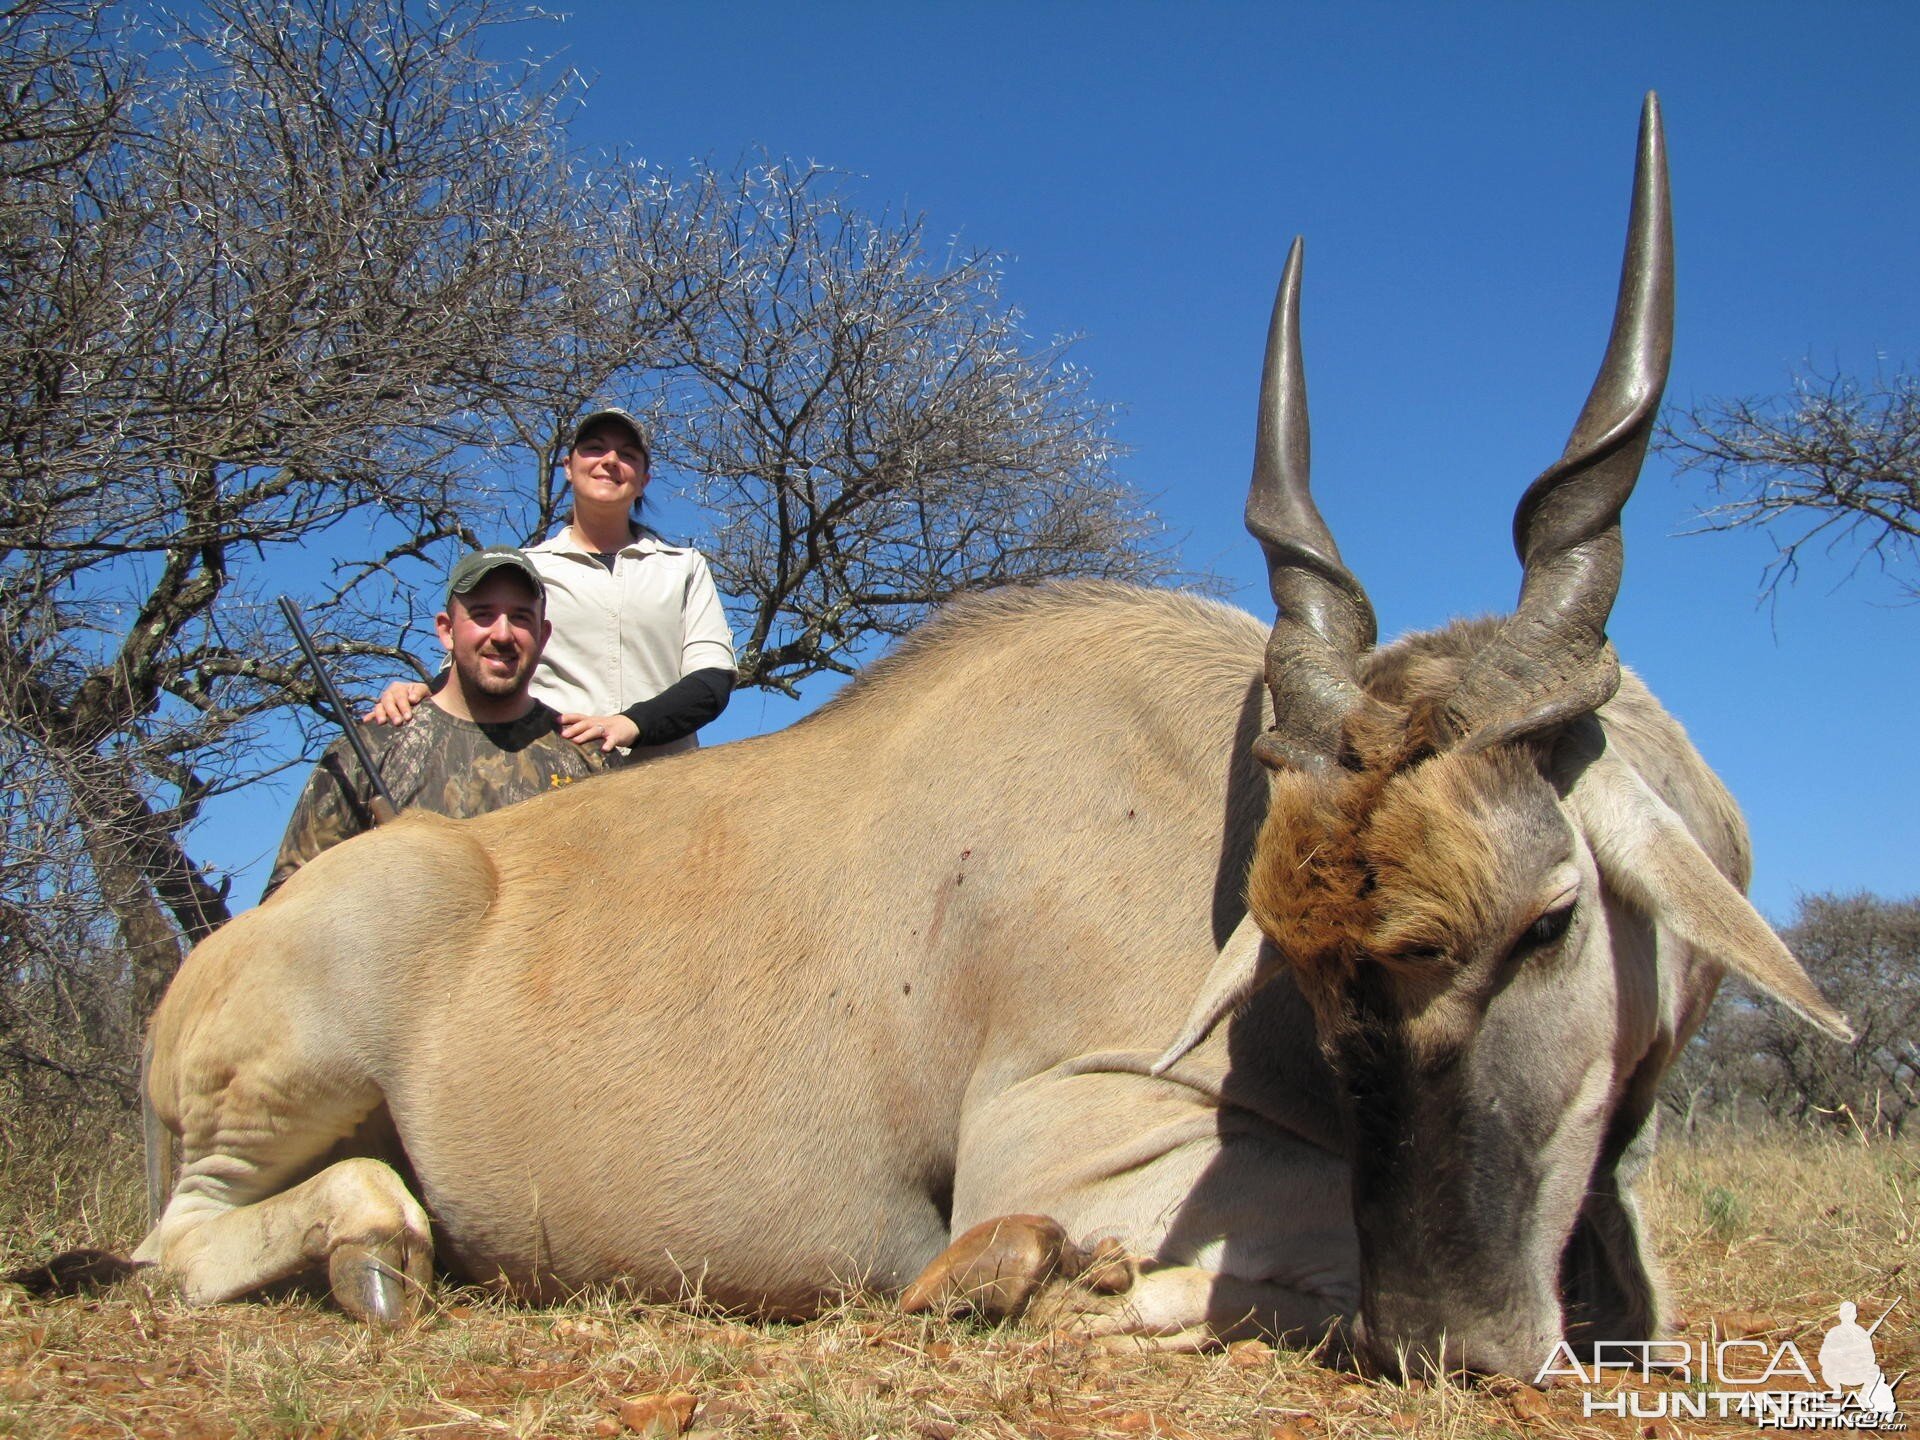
(381, 804)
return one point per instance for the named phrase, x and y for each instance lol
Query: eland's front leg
(1242, 1225)
(1188, 1307)
(1025, 1265)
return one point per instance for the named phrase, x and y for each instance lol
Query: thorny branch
(1835, 465)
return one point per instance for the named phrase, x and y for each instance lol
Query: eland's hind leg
(249, 1208)
(272, 1057)
(270, 1092)
(356, 1217)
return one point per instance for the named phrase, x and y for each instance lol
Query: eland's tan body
(1329, 984)
(741, 1018)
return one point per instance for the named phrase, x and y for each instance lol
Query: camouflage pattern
(434, 762)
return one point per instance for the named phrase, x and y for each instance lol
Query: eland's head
(1468, 870)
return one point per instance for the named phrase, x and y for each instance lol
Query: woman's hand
(396, 702)
(612, 731)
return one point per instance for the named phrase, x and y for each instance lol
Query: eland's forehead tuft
(1310, 889)
(1405, 865)
(1455, 845)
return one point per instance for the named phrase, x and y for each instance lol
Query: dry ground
(1762, 1234)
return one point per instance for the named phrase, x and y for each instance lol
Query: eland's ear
(1651, 859)
(1245, 963)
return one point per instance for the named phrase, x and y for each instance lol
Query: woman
(641, 655)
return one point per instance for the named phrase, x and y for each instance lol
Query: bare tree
(300, 296)
(65, 1026)
(1864, 953)
(870, 430)
(1834, 464)
(268, 294)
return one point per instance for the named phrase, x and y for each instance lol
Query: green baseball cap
(474, 566)
(614, 414)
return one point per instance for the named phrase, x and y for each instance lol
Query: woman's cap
(617, 416)
(474, 566)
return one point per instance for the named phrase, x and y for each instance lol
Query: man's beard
(477, 679)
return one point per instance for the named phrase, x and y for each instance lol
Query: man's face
(607, 464)
(494, 634)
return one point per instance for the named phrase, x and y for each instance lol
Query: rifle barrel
(299, 627)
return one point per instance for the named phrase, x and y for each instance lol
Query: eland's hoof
(992, 1270)
(1106, 1268)
(370, 1287)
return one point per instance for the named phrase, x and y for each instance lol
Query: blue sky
(1461, 176)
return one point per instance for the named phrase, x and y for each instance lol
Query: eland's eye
(1546, 930)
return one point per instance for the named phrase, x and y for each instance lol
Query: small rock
(661, 1415)
(1528, 1403)
(1249, 1354)
(1745, 1324)
(726, 1408)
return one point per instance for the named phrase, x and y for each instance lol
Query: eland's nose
(1496, 1346)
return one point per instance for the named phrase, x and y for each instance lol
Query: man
(481, 742)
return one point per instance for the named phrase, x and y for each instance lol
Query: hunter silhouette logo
(1848, 1365)
(1769, 1383)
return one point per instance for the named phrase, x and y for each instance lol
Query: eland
(1268, 981)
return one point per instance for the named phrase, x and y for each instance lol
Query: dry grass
(1761, 1234)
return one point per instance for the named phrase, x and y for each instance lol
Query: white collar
(564, 542)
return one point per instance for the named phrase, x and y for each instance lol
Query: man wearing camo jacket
(481, 742)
